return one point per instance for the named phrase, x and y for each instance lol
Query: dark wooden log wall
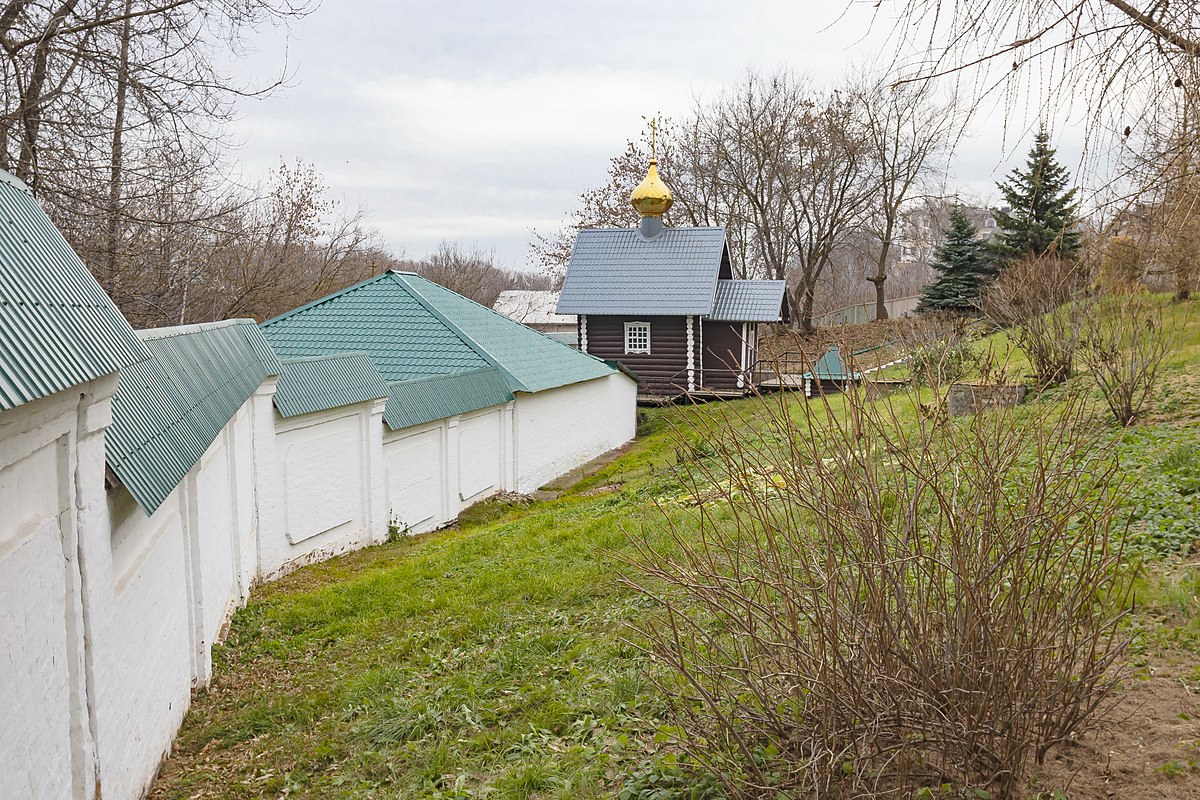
(722, 354)
(662, 371)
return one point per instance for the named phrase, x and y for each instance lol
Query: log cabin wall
(662, 371)
(722, 354)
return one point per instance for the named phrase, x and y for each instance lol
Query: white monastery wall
(108, 616)
(47, 451)
(560, 429)
(436, 470)
(173, 581)
(146, 662)
(331, 471)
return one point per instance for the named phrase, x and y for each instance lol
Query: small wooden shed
(663, 302)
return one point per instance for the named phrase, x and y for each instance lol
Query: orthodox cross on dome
(652, 198)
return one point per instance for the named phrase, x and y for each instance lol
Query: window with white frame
(637, 337)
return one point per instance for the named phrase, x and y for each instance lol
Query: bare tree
(473, 273)
(112, 112)
(1128, 62)
(910, 134)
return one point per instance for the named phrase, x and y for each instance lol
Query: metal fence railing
(859, 313)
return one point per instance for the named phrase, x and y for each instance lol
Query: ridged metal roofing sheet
(169, 409)
(57, 326)
(532, 361)
(427, 399)
(748, 301)
(321, 382)
(382, 318)
(618, 271)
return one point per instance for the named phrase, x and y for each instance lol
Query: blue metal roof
(618, 271)
(748, 301)
(322, 382)
(57, 326)
(169, 409)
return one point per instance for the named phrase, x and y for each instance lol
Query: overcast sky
(478, 121)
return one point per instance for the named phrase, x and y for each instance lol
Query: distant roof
(748, 301)
(439, 396)
(322, 382)
(531, 307)
(169, 409)
(618, 271)
(413, 328)
(831, 367)
(57, 326)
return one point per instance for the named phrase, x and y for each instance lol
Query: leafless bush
(1033, 298)
(855, 605)
(938, 347)
(1124, 345)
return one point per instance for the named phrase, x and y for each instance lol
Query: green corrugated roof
(831, 367)
(412, 328)
(381, 317)
(170, 408)
(320, 382)
(57, 326)
(530, 360)
(439, 396)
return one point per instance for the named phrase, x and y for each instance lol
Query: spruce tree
(964, 264)
(1041, 214)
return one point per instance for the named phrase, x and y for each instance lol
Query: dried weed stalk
(859, 603)
(1124, 344)
(938, 346)
(1033, 298)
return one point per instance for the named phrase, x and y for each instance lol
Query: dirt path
(1147, 748)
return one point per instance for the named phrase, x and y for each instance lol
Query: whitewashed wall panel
(560, 429)
(331, 471)
(416, 478)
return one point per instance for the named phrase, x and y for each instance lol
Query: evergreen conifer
(1041, 213)
(964, 264)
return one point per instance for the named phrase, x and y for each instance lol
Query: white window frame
(637, 328)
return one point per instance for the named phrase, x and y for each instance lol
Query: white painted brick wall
(98, 709)
(560, 429)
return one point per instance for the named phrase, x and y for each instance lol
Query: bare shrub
(1032, 298)
(853, 604)
(1124, 345)
(938, 347)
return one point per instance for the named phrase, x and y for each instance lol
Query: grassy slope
(492, 659)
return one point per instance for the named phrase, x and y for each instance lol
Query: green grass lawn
(496, 659)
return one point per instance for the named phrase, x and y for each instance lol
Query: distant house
(664, 302)
(536, 309)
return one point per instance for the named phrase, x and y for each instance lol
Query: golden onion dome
(651, 198)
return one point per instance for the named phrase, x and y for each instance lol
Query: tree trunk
(117, 164)
(31, 101)
(881, 311)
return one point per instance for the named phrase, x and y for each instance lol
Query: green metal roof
(381, 317)
(315, 384)
(414, 329)
(831, 367)
(439, 396)
(530, 360)
(170, 408)
(57, 326)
